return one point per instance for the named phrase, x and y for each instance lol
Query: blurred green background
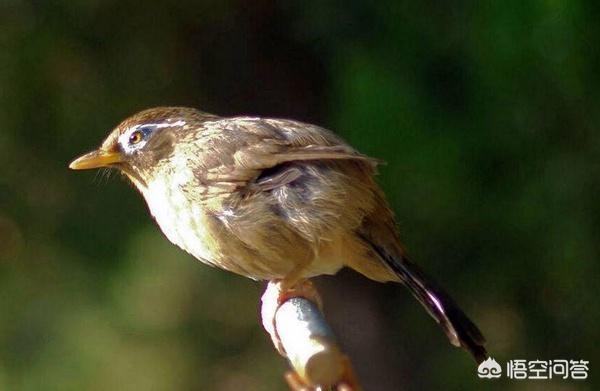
(486, 113)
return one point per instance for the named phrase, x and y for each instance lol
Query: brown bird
(270, 199)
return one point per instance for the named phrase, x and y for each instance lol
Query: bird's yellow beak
(95, 159)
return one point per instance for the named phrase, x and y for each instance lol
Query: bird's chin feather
(133, 175)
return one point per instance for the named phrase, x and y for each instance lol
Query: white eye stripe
(159, 125)
(145, 129)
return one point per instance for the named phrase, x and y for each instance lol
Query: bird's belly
(329, 257)
(321, 266)
(249, 252)
(182, 222)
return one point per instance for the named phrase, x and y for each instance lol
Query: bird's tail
(461, 331)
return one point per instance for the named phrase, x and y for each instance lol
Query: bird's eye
(135, 137)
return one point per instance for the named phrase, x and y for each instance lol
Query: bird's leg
(300, 288)
(294, 284)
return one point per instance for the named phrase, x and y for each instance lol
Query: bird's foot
(302, 288)
(277, 293)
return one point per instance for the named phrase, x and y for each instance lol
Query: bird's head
(137, 144)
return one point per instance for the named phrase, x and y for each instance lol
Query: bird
(270, 199)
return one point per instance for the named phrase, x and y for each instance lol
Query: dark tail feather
(458, 327)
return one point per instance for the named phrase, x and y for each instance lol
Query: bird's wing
(243, 148)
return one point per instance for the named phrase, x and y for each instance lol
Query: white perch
(306, 338)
